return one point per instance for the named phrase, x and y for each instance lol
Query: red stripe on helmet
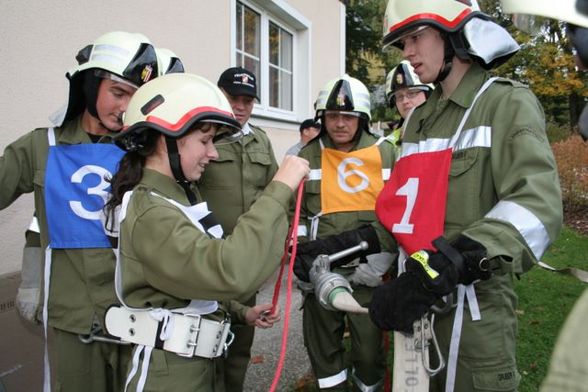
(450, 24)
(187, 117)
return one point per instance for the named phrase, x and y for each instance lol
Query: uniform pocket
(223, 172)
(498, 378)
(258, 173)
(462, 161)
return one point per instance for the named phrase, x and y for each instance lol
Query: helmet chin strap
(447, 61)
(176, 168)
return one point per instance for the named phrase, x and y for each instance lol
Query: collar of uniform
(246, 129)
(71, 132)
(469, 85)
(164, 185)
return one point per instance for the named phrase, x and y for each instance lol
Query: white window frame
(289, 19)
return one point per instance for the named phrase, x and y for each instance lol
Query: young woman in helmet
(80, 259)
(404, 91)
(350, 166)
(476, 168)
(174, 262)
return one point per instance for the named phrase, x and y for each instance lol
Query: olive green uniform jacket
(232, 183)
(82, 280)
(166, 261)
(323, 329)
(504, 193)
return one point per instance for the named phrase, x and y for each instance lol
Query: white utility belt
(191, 335)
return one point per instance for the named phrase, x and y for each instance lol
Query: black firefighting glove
(307, 251)
(463, 261)
(397, 304)
(302, 266)
(429, 276)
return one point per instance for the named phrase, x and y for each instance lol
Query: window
(266, 40)
(280, 68)
(248, 40)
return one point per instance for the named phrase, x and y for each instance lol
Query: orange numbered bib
(351, 181)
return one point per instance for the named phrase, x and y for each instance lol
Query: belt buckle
(193, 334)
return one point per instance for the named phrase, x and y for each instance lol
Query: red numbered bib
(412, 204)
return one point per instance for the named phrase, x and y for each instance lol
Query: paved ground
(267, 343)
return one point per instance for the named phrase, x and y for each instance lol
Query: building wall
(39, 40)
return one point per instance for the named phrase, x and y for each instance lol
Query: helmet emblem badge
(399, 79)
(146, 73)
(340, 99)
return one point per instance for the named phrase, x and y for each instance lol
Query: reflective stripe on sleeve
(475, 137)
(527, 224)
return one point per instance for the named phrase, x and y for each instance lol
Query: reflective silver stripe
(315, 174)
(527, 224)
(51, 136)
(363, 387)
(475, 137)
(331, 381)
(34, 226)
(302, 231)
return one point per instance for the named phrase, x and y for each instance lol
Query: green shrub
(557, 132)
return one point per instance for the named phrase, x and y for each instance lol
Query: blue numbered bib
(76, 191)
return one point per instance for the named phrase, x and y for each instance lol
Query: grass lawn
(545, 299)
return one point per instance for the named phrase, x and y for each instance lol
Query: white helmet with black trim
(344, 94)
(402, 76)
(125, 57)
(471, 34)
(168, 62)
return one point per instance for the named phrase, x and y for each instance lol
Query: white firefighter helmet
(565, 10)
(126, 57)
(402, 17)
(344, 94)
(171, 104)
(168, 62)
(403, 76)
(470, 33)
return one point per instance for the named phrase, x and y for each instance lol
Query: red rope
(291, 238)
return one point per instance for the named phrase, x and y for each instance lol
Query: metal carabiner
(94, 336)
(427, 333)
